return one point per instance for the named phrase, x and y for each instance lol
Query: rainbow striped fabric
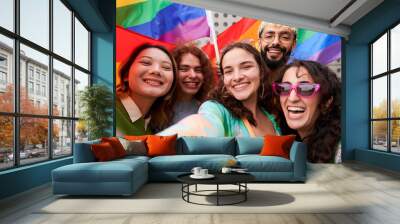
(311, 45)
(163, 20)
(316, 46)
(244, 30)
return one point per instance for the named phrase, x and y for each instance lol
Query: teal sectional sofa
(125, 176)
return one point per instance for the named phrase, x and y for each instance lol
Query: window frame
(388, 74)
(16, 115)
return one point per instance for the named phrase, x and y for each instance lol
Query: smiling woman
(145, 94)
(195, 80)
(235, 107)
(309, 95)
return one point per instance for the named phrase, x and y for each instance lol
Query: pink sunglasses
(302, 89)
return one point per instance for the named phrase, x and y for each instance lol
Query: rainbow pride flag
(311, 45)
(163, 20)
(316, 46)
(244, 30)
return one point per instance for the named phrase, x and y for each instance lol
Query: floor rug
(167, 198)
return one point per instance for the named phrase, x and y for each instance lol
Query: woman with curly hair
(146, 90)
(235, 108)
(195, 80)
(309, 95)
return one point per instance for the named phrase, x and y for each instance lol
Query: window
(37, 74)
(6, 68)
(30, 72)
(43, 90)
(3, 60)
(41, 84)
(385, 96)
(30, 87)
(7, 14)
(3, 78)
(34, 22)
(62, 74)
(38, 89)
(81, 45)
(3, 72)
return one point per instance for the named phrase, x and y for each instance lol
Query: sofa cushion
(136, 137)
(111, 171)
(257, 163)
(249, 145)
(83, 152)
(161, 145)
(277, 145)
(103, 152)
(206, 145)
(116, 145)
(185, 163)
(134, 147)
(129, 159)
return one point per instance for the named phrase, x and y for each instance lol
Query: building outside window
(3, 72)
(38, 89)
(3, 60)
(385, 95)
(3, 78)
(30, 87)
(33, 72)
(30, 72)
(43, 77)
(43, 90)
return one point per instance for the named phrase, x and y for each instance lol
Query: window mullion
(73, 82)
(371, 137)
(389, 113)
(50, 81)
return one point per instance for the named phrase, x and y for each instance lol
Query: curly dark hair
(205, 64)
(323, 139)
(236, 107)
(161, 111)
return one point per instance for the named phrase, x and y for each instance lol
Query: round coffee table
(238, 179)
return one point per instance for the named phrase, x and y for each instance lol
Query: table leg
(217, 194)
(245, 191)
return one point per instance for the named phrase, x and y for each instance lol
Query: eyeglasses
(302, 89)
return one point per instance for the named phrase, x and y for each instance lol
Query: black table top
(220, 178)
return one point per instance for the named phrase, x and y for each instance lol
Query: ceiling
(328, 16)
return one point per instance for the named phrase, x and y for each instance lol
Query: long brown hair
(322, 141)
(161, 110)
(223, 96)
(206, 69)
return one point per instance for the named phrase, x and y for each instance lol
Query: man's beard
(274, 64)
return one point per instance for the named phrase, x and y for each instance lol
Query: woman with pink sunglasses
(309, 95)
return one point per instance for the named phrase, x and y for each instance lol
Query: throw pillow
(116, 145)
(136, 137)
(136, 147)
(161, 145)
(277, 145)
(103, 151)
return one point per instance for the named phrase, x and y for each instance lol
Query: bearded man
(276, 43)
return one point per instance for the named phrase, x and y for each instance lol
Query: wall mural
(175, 75)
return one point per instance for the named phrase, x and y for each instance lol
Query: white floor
(378, 189)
